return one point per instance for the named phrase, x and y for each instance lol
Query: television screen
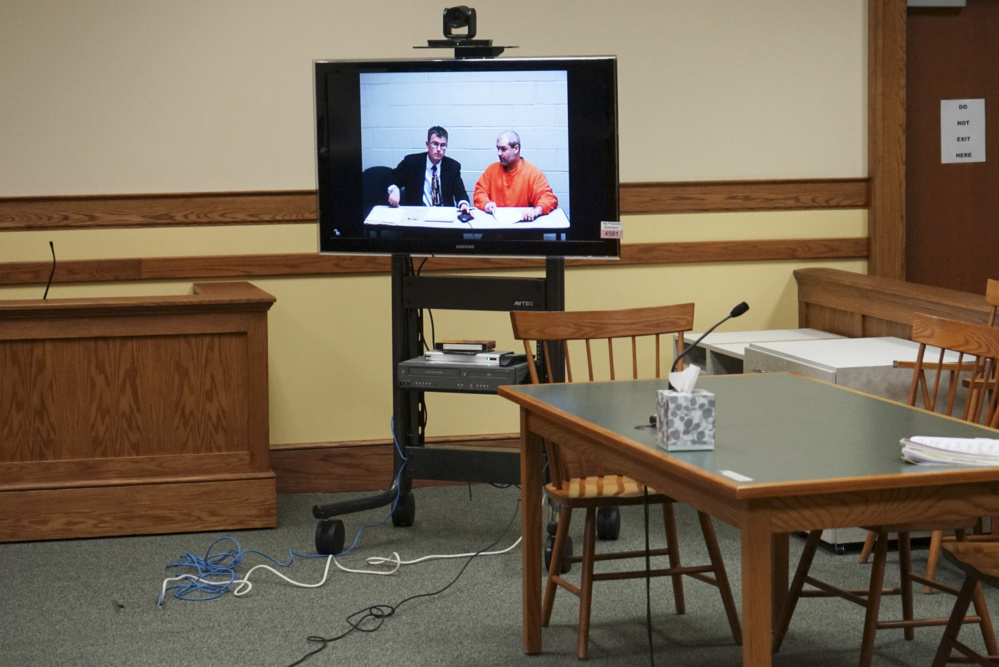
(492, 157)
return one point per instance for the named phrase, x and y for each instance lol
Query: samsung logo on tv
(467, 246)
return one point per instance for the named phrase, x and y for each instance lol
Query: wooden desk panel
(130, 416)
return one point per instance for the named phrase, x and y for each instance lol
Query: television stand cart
(411, 293)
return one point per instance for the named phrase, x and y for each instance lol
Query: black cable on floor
(372, 618)
(648, 580)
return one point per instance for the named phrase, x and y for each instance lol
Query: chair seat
(979, 559)
(618, 487)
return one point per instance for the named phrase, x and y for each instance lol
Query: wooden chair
(581, 483)
(937, 536)
(977, 348)
(980, 564)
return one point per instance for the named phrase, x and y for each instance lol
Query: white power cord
(379, 560)
(243, 586)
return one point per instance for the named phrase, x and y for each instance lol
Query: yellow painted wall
(140, 96)
(112, 97)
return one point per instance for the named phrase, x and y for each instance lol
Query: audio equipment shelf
(411, 293)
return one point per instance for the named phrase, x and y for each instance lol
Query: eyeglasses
(438, 145)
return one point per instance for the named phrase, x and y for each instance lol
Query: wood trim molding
(696, 252)
(157, 210)
(365, 465)
(205, 299)
(886, 54)
(299, 206)
(255, 266)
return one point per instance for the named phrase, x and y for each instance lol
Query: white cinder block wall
(398, 108)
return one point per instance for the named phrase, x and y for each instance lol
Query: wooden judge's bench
(135, 415)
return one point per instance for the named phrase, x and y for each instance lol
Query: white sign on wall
(962, 131)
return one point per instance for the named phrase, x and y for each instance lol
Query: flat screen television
(370, 115)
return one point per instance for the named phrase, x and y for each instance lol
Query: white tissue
(684, 381)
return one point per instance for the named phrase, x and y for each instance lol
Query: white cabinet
(721, 352)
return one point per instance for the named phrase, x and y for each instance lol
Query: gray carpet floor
(94, 602)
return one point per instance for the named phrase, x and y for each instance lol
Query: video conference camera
(463, 43)
(456, 18)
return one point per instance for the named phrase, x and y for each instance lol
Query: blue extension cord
(215, 574)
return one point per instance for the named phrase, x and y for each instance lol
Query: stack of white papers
(928, 450)
(440, 214)
(509, 215)
(385, 215)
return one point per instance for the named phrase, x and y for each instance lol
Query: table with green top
(791, 454)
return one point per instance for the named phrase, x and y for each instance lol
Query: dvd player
(426, 375)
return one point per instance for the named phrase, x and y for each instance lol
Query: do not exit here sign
(962, 131)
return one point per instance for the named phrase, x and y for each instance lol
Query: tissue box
(685, 421)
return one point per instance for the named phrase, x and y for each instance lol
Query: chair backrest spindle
(644, 326)
(972, 373)
(992, 298)
(641, 325)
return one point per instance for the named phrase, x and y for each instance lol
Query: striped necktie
(435, 187)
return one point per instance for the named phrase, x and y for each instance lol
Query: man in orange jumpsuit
(513, 181)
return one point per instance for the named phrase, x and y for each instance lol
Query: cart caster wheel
(329, 537)
(566, 553)
(405, 511)
(608, 523)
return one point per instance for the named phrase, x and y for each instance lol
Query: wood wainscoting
(126, 416)
(363, 465)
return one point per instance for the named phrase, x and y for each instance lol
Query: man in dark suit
(429, 179)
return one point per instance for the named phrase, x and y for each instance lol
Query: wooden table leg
(781, 565)
(757, 590)
(531, 483)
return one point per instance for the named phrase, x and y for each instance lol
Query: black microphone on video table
(736, 312)
(51, 273)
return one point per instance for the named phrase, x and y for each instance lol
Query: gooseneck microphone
(51, 273)
(736, 312)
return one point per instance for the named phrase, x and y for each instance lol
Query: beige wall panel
(684, 227)
(109, 97)
(158, 242)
